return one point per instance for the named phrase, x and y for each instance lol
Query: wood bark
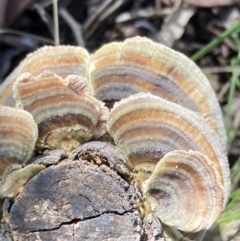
(85, 196)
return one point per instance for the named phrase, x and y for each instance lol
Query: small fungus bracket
(16, 180)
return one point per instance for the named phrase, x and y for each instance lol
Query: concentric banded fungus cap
(184, 191)
(64, 118)
(78, 84)
(146, 127)
(118, 70)
(61, 60)
(18, 135)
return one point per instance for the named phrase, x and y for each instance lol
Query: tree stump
(85, 196)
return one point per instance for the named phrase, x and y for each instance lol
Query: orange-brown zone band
(186, 188)
(15, 138)
(124, 82)
(18, 124)
(59, 101)
(16, 133)
(180, 180)
(35, 87)
(119, 70)
(192, 173)
(61, 60)
(174, 132)
(67, 64)
(117, 86)
(162, 133)
(144, 74)
(172, 174)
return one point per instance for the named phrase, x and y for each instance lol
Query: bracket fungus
(164, 118)
(185, 191)
(146, 127)
(61, 60)
(118, 70)
(18, 133)
(64, 118)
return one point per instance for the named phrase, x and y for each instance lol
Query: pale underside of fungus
(18, 133)
(163, 115)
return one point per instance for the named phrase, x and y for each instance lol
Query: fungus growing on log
(163, 117)
(146, 127)
(64, 118)
(61, 60)
(185, 191)
(18, 135)
(120, 69)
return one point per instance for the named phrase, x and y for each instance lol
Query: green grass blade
(235, 63)
(233, 29)
(229, 218)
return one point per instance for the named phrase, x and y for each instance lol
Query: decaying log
(85, 196)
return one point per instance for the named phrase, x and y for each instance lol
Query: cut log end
(78, 199)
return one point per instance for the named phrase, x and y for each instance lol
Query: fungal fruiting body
(149, 130)
(64, 118)
(61, 60)
(185, 191)
(118, 70)
(165, 119)
(147, 127)
(16, 180)
(18, 133)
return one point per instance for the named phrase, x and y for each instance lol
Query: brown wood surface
(83, 197)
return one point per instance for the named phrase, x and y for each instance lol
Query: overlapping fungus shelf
(64, 118)
(146, 127)
(18, 133)
(118, 70)
(164, 118)
(185, 191)
(61, 60)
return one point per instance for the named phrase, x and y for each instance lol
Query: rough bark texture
(84, 197)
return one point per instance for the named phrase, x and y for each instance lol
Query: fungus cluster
(154, 102)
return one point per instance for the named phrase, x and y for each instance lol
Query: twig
(146, 13)
(223, 91)
(217, 69)
(45, 17)
(56, 25)
(74, 25)
(109, 8)
(158, 5)
(20, 33)
(3, 12)
(92, 18)
(227, 41)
